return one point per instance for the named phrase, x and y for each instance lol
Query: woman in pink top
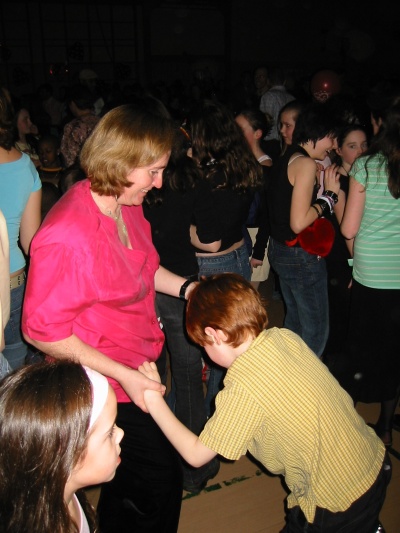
(90, 296)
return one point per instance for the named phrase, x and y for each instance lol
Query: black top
(231, 210)
(280, 197)
(170, 225)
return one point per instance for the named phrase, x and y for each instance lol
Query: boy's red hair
(227, 302)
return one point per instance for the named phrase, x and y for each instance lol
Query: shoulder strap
(296, 156)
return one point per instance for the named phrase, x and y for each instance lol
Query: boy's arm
(186, 442)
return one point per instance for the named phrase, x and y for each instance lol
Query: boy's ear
(217, 335)
(210, 332)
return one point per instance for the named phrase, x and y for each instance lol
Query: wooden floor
(242, 498)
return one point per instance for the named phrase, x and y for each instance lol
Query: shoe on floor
(195, 488)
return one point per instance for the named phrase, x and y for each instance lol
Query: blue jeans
(186, 364)
(303, 282)
(186, 398)
(16, 348)
(237, 262)
(4, 366)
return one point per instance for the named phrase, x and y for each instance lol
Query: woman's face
(288, 122)
(143, 179)
(24, 123)
(354, 144)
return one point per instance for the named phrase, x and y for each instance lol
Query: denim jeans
(303, 283)
(237, 262)
(4, 366)
(16, 348)
(186, 364)
(186, 398)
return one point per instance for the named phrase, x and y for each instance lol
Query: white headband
(99, 385)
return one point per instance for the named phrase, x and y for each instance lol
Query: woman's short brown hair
(127, 137)
(227, 302)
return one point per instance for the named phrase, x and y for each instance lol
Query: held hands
(332, 178)
(150, 371)
(136, 383)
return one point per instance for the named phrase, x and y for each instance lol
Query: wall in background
(149, 41)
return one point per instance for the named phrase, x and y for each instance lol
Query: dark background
(156, 43)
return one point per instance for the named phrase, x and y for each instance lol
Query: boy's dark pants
(362, 515)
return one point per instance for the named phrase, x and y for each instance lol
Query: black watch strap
(182, 290)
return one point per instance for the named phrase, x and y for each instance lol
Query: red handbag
(316, 239)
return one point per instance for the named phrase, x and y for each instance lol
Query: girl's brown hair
(44, 419)
(227, 302)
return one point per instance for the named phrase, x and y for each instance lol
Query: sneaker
(196, 488)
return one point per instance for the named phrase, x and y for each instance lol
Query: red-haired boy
(280, 403)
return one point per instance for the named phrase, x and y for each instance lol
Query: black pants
(361, 516)
(146, 493)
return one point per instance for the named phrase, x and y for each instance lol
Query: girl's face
(321, 149)
(354, 144)
(101, 458)
(288, 122)
(48, 154)
(247, 129)
(24, 123)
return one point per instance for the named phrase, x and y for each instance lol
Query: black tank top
(280, 196)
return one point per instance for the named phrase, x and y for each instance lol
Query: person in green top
(372, 219)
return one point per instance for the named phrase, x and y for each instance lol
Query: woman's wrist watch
(182, 290)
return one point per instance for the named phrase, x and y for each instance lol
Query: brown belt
(17, 280)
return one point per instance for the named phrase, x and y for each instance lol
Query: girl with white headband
(57, 435)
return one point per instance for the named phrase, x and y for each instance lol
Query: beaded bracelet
(324, 205)
(332, 195)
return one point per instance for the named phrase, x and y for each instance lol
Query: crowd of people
(135, 234)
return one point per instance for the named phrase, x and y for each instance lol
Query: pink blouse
(83, 281)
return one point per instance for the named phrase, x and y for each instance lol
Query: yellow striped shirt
(281, 403)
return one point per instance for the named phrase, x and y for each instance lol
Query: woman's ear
(258, 134)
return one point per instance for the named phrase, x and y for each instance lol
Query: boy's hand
(150, 371)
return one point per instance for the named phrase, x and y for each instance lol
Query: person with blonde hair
(97, 304)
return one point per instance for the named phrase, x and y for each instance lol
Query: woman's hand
(332, 179)
(137, 382)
